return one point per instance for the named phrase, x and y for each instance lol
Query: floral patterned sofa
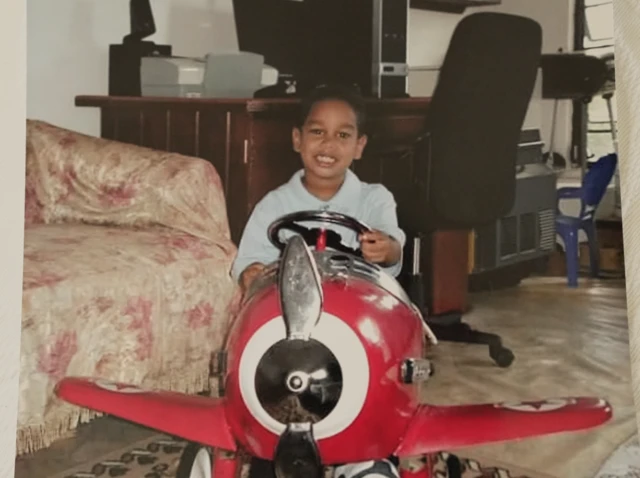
(126, 272)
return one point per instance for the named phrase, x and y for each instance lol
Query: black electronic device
(125, 58)
(573, 75)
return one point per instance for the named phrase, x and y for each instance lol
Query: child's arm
(255, 248)
(389, 239)
(380, 248)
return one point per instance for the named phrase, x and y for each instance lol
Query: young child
(328, 137)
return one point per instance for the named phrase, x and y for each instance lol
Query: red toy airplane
(324, 365)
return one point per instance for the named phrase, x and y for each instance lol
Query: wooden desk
(249, 143)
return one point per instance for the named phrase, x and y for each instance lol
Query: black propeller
(297, 453)
(298, 380)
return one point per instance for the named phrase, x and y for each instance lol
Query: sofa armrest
(80, 178)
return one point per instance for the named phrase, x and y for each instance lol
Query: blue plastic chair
(594, 185)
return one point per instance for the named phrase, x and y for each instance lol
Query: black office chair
(465, 161)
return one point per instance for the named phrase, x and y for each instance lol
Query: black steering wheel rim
(288, 221)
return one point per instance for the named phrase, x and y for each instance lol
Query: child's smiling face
(329, 140)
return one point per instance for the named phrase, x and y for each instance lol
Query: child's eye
(345, 135)
(315, 131)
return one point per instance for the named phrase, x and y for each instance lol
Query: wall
(430, 33)
(68, 44)
(12, 134)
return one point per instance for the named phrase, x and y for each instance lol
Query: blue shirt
(372, 204)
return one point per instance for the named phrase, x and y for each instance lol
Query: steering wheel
(318, 237)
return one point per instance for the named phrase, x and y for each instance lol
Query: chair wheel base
(502, 356)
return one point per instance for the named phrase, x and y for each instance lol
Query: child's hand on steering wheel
(379, 248)
(250, 274)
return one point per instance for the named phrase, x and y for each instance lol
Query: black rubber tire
(454, 467)
(187, 459)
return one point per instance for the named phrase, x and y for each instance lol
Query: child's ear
(296, 139)
(362, 142)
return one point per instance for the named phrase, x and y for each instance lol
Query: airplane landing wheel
(195, 462)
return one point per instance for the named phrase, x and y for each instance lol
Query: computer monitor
(272, 28)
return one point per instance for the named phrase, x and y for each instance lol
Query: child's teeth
(326, 159)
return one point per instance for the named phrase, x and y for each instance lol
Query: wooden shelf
(451, 6)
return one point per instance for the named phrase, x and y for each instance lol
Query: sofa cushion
(147, 306)
(72, 177)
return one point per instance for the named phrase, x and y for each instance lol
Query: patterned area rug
(158, 457)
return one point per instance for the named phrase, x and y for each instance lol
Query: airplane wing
(190, 417)
(436, 428)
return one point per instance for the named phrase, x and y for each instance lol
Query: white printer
(217, 75)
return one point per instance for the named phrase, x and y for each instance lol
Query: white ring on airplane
(345, 345)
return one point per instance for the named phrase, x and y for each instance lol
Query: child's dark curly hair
(349, 94)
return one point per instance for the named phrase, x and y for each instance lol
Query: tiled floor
(566, 342)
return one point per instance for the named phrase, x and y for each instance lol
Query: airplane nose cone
(298, 381)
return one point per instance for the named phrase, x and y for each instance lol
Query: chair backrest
(595, 183)
(475, 119)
